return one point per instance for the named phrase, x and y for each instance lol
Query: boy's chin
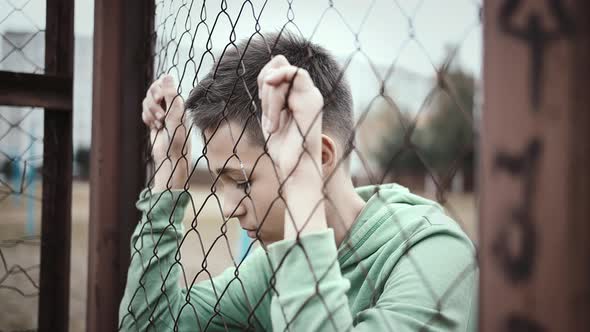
(266, 241)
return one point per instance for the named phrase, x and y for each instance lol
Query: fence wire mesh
(22, 44)
(405, 265)
(21, 154)
(22, 30)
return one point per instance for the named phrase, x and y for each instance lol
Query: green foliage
(450, 129)
(443, 135)
(397, 153)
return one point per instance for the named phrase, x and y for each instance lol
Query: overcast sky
(384, 27)
(385, 30)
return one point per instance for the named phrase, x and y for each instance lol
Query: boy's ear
(329, 155)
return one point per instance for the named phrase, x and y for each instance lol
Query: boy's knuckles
(154, 88)
(280, 59)
(304, 77)
(147, 119)
(260, 77)
(145, 104)
(317, 93)
(301, 71)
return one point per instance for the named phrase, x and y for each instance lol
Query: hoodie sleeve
(312, 291)
(154, 299)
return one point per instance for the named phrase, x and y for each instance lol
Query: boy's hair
(229, 89)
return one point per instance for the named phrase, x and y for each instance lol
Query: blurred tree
(7, 168)
(443, 134)
(82, 160)
(397, 151)
(450, 131)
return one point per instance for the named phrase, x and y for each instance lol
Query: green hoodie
(405, 266)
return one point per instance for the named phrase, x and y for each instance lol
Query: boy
(276, 119)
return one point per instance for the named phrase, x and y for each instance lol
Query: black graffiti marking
(519, 323)
(518, 263)
(524, 166)
(537, 37)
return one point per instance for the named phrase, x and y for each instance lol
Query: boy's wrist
(304, 197)
(171, 173)
(307, 170)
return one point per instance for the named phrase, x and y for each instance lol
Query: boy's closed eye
(234, 176)
(242, 185)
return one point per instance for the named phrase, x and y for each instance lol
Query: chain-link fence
(396, 109)
(251, 219)
(21, 153)
(32, 250)
(22, 29)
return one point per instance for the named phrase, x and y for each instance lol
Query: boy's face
(262, 210)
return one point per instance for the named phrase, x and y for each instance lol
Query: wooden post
(535, 207)
(123, 31)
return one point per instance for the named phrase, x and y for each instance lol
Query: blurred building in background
(21, 133)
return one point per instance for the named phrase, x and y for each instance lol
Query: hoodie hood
(380, 220)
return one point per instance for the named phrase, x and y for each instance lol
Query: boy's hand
(163, 113)
(293, 128)
(295, 143)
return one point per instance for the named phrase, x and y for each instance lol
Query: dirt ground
(18, 309)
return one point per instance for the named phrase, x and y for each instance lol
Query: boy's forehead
(221, 143)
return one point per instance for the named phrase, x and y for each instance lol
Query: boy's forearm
(304, 197)
(169, 177)
(154, 244)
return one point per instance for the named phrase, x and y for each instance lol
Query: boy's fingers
(173, 101)
(299, 76)
(260, 81)
(174, 113)
(168, 90)
(151, 105)
(148, 118)
(266, 96)
(157, 111)
(156, 93)
(284, 118)
(276, 102)
(145, 108)
(264, 104)
(280, 75)
(276, 62)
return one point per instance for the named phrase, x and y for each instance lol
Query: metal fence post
(535, 230)
(54, 280)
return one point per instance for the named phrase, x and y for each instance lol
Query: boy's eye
(242, 185)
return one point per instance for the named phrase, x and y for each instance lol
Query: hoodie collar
(373, 215)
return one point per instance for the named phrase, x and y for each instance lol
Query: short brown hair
(230, 89)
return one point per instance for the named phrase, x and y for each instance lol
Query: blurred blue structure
(24, 179)
(244, 244)
(31, 179)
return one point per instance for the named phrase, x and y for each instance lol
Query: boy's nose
(232, 211)
(233, 205)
